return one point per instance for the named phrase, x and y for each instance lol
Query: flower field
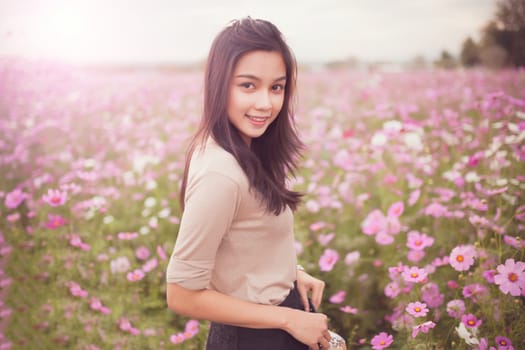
(413, 215)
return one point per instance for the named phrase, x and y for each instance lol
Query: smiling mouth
(257, 119)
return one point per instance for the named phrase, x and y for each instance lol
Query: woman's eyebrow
(253, 77)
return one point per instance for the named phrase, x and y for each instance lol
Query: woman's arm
(308, 328)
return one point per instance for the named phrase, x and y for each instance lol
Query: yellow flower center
(460, 258)
(414, 274)
(417, 309)
(513, 277)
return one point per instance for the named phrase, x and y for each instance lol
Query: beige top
(227, 241)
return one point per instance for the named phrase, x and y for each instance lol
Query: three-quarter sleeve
(211, 203)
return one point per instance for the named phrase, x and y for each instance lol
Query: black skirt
(226, 337)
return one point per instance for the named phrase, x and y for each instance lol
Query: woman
(234, 260)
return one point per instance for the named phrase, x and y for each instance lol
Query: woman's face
(256, 92)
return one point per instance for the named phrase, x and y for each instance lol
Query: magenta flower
(413, 197)
(338, 297)
(352, 257)
(396, 209)
(150, 265)
(423, 327)
(161, 253)
(76, 290)
(504, 343)
(135, 275)
(328, 260)
(126, 236)
(191, 329)
(417, 309)
(14, 198)
(415, 255)
(384, 238)
(142, 253)
(414, 275)
(511, 277)
(55, 221)
(324, 239)
(456, 308)
(347, 309)
(374, 222)
(392, 290)
(462, 257)
(382, 341)
(471, 321)
(418, 241)
(431, 296)
(177, 338)
(55, 198)
(475, 291)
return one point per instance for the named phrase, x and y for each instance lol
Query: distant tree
(503, 40)
(446, 60)
(417, 63)
(469, 55)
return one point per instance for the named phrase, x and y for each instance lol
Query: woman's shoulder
(212, 158)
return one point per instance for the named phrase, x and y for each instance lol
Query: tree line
(502, 42)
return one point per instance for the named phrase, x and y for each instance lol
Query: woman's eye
(247, 85)
(278, 87)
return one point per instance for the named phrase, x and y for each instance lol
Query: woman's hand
(308, 328)
(307, 283)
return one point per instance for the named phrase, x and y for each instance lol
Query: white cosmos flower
(379, 139)
(464, 334)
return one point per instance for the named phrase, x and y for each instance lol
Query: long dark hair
(270, 157)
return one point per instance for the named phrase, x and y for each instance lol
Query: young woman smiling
(234, 260)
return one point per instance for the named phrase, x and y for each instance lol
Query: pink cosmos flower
(338, 297)
(456, 308)
(392, 290)
(352, 257)
(374, 222)
(177, 338)
(76, 290)
(475, 291)
(136, 275)
(418, 241)
(414, 275)
(471, 321)
(415, 255)
(55, 221)
(161, 253)
(328, 260)
(126, 236)
(324, 239)
(488, 275)
(417, 309)
(504, 343)
(384, 238)
(382, 341)
(55, 198)
(396, 209)
(14, 198)
(349, 310)
(423, 327)
(436, 210)
(462, 257)
(191, 329)
(514, 242)
(413, 197)
(431, 296)
(142, 253)
(511, 277)
(150, 265)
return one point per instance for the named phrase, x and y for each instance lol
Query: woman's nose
(263, 101)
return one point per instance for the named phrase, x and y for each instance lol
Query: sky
(176, 31)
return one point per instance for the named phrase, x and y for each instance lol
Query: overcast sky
(149, 31)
